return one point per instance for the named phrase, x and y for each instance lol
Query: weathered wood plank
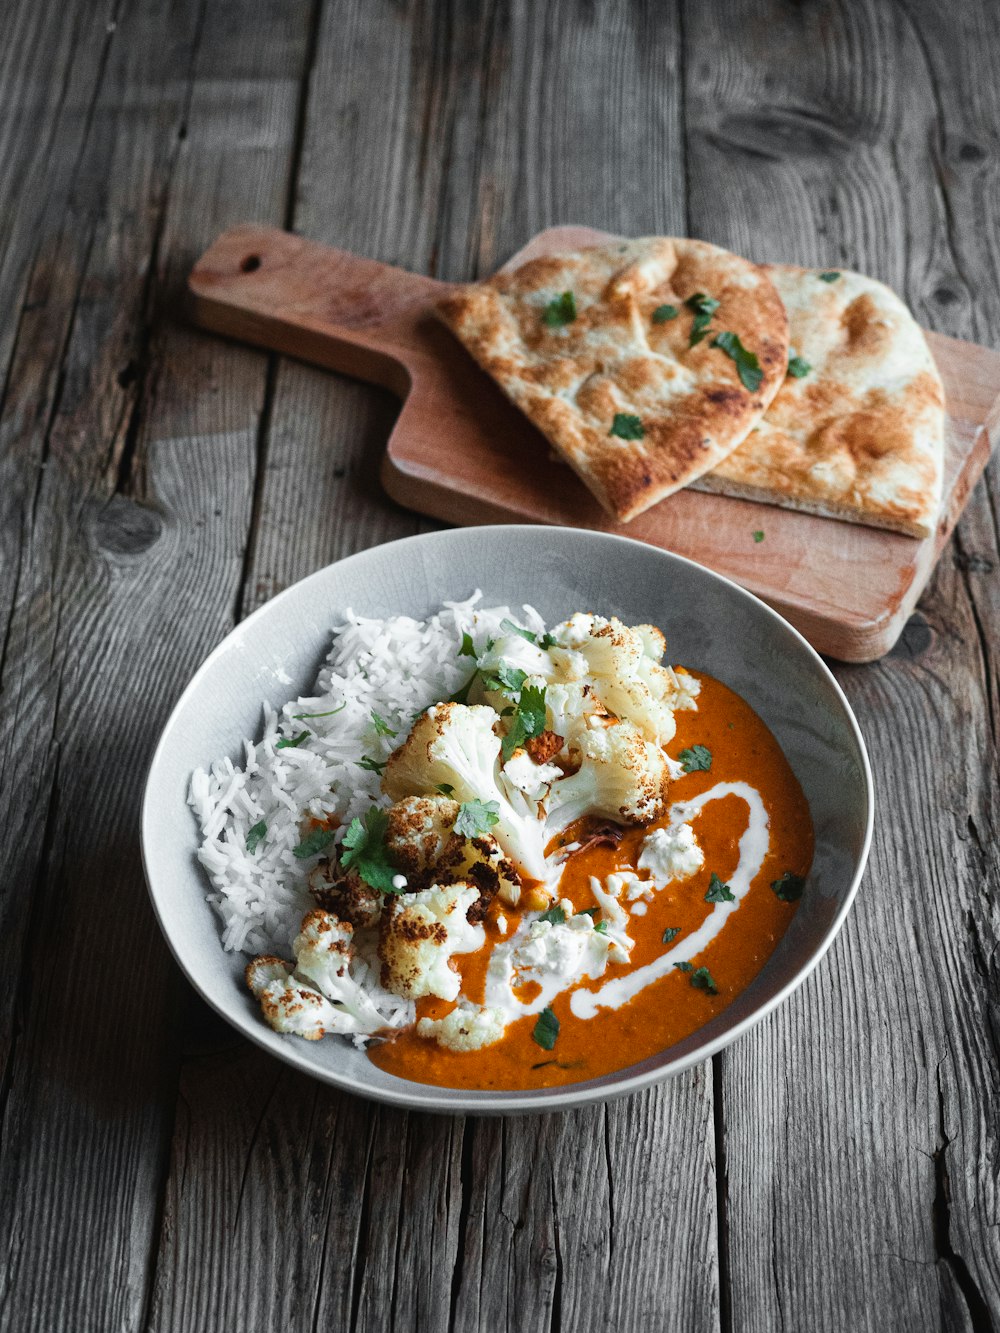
(133, 540)
(861, 1152)
(446, 115)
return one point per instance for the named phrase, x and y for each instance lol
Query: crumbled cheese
(399, 881)
(502, 924)
(671, 853)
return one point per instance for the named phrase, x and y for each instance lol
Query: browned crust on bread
(612, 358)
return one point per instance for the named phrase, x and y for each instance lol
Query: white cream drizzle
(753, 848)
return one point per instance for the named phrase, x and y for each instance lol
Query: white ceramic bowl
(710, 624)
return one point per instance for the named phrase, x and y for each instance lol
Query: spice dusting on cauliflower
(543, 730)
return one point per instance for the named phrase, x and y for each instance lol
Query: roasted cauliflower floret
(289, 1005)
(455, 745)
(466, 1028)
(418, 935)
(323, 951)
(623, 665)
(345, 894)
(421, 839)
(621, 776)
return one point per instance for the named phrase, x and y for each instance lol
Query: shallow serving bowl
(710, 624)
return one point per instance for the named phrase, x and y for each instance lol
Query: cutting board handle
(335, 309)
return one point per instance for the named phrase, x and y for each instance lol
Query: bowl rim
(453, 1101)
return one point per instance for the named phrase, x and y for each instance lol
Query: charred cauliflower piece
(418, 935)
(422, 841)
(345, 894)
(623, 665)
(455, 745)
(290, 1005)
(622, 776)
(466, 1028)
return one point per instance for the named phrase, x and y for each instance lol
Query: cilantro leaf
(468, 648)
(696, 760)
(313, 844)
(300, 717)
(546, 1029)
(506, 679)
(758, 535)
(254, 835)
(798, 367)
(547, 640)
(664, 312)
(559, 311)
(601, 928)
(511, 628)
(446, 789)
(627, 427)
(287, 742)
(747, 365)
(587, 911)
(719, 892)
(830, 276)
(670, 934)
(684, 967)
(364, 848)
(382, 727)
(704, 980)
(704, 308)
(476, 818)
(529, 720)
(372, 765)
(555, 914)
(789, 887)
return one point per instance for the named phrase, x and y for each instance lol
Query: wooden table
(837, 1169)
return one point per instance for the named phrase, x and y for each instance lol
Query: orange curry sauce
(671, 1008)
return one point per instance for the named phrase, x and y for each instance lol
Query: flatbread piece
(595, 346)
(860, 434)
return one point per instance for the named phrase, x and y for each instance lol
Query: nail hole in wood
(251, 263)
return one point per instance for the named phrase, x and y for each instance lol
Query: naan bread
(861, 435)
(573, 366)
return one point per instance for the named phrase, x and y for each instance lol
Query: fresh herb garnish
(798, 367)
(364, 849)
(382, 727)
(719, 892)
(747, 365)
(529, 720)
(313, 844)
(684, 967)
(704, 980)
(476, 818)
(587, 911)
(468, 648)
(511, 628)
(664, 312)
(461, 696)
(506, 679)
(789, 887)
(254, 835)
(301, 717)
(697, 759)
(555, 914)
(287, 742)
(758, 535)
(670, 934)
(627, 427)
(704, 308)
(446, 789)
(601, 928)
(830, 276)
(547, 640)
(559, 311)
(372, 765)
(546, 1029)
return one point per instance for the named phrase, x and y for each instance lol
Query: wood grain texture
(837, 1169)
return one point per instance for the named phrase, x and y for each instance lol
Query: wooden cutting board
(461, 452)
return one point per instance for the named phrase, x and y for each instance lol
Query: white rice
(394, 667)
